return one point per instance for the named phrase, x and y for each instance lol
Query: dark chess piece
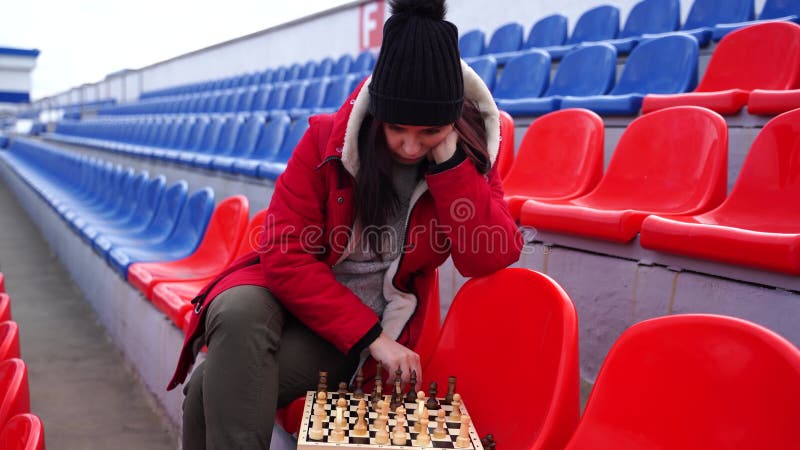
(358, 393)
(323, 382)
(343, 390)
(411, 397)
(451, 389)
(488, 442)
(397, 391)
(432, 404)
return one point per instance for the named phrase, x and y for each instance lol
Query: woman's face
(410, 144)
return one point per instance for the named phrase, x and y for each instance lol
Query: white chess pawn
(382, 433)
(456, 404)
(440, 432)
(462, 441)
(322, 399)
(399, 434)
(420, 403)
(424, 437)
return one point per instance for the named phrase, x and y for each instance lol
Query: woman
(374, 196)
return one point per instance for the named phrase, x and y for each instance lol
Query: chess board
(304, 442)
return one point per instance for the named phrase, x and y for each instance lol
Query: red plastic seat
(9, 340)
(758, 224)
(224, 233)
(5, 307)
(2, 282)
(511, 339)
(173, 297)
(505, 155)
(23, 432)
(290, 416)
(560, 157)
(762, 56)
(769, 103)
(14, 395)
(694, 382)
(672, 161)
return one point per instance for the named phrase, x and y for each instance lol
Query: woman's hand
(393, 356)
(445, 149)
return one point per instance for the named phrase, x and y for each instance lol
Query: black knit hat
(417, 79)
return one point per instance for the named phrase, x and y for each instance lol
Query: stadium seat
(23, 432)
(588, 70)
(547, 31)
(530, 324)
(507, 38)
(225, 145)
(525, 76)
(647, 17)
(560, 157)
(261, 98)
(207, 144)
(763, 56)
(14, 394)
(772, 10)
(2, 283)
(364, 63)
(758, 225)
(486, 68)
(335, 94)
(173, 297)
(246, 142)
(669, 162)
(472, 44)
(268, 145)
(185, 236)
(665, 65)
(342, 66)
(600, 23)
(222, 237)
(277, 97)
(293, 72)
(694, 382)
(769, 103)
(312, 99)
(9, 340)
(307, 71)
(704, 15)
(280, 74)
(505, 154)
(5, 307)
(273, 168)
(294, 98)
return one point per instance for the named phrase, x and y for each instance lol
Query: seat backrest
(708, 13)
(277, 96)
(168, 211)
(315, 93)
(652, 16)
(324, 68)
(775, 9)
(472, 43)
(5, 304)
(23, 432)
(597, 24)
(296, 131)
(308, 70)
(364, 62)
(694, 382)
(248, 135)
(197, 133)
(280, 74)
(2, 283)
(525, 329)
(524, 76)
(9, 340)
(293, 72)
(762, 56)
(228, 135)
(547, 31)
(587, 70)
(261, 98)
(211, 137)
(271, 138)
(486, 68)
(542, 167)
(505, 154)
(665, 65)
(185, 133)
(150, 198)
(225, 231)
(246, 100)
(192, 221)
(769, 182)
(675, 162)
(295, 95)
(266, 76)
(14, 394)
(507, 38)
(342, 66)
(252, 235)
(337, 92)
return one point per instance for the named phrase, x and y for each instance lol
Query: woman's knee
(242, 310)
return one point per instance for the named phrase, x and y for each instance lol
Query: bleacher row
(19, 429)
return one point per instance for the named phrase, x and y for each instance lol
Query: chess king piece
(462, 441)
(456, 403)
(412, 390)
(424, 437)
(440, 432)
(361, 428)
(399, 434)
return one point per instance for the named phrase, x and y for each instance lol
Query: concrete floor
(80, 385)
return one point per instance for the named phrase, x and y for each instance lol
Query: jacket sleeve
(292, 253)
(483, 236)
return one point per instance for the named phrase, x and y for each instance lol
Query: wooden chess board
(304, 442)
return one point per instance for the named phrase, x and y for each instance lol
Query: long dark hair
(376, 199)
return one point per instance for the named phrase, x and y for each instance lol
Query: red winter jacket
(457, 212)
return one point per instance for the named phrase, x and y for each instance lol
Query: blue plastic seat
(143, 208)
(364, 62)
(261, 98)
(324, 68)
(507, 38)
(486, 68)
(268, 145)
(546, 32)
(706, 14)
(336, 93)
(294, 97)
(784, 10)
(524, 77)
(597, 24)
(206, 144)
(312, 98)
(472, 44)
(342, 66)
(307, 71)
(225, 144)
(193, 140)
(274, 168)
(111, 202)
(277, 97)
(245, 143)
(293, 72)
(266, 76)
(124, 214)
(647, 17)
(666, 65)
(246, 100)
(183, 239)
(279, 75)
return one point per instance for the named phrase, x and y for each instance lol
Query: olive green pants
(259, 358)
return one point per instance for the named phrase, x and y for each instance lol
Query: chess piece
(422, 413)
(339, 423)
(399, 434)
(488, 442)
(379, 420)
(424, 437)
(358, 393)
(440, 432)
(433, 404)
(420, 404)
(382, 426)
(397, 392)
(462, 441)
(322, 399)
(456, 403)
(377, 394)
(316, 433)
(342, 390)
(361, 428)
(323, 382)
(412, 389)
(451, 390)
